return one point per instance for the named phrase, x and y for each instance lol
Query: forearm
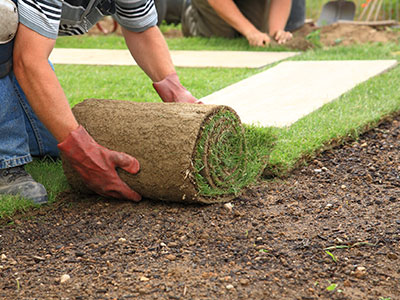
(150, 51)
(40, 84)
(278, 15)
(46, 98)
(231, 14)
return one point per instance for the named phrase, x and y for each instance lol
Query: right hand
(282, 36)
(97, 165)
(170, 89)
(257, 38)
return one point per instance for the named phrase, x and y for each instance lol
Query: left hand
(97, 165)
(171, 90)
(282, 36)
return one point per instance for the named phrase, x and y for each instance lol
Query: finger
(126, 162)
(123, 192)
(283, 39)
(288, 36)
(186, 97)
(278, 35)
(252, 42)
(265, 41)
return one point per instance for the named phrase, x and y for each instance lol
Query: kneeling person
(257, 20)
(35, 116)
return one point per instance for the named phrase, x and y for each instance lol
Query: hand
(282, 36)
(171, 90)
(257, 38)
(97, 165)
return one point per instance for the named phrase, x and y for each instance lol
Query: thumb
(125, 161)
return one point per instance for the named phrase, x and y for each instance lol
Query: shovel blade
(336, 10)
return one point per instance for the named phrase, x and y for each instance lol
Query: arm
(278, 15)
(151, 53)
(231, 14)
(96, 164)
(40, 84)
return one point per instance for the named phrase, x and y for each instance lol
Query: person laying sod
(257, 20)
(35, 116)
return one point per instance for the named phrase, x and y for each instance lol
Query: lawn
(343, 119)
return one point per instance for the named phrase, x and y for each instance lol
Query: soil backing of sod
(187, 153)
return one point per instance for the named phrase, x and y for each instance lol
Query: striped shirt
(52, 18)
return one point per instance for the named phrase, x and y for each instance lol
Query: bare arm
(231, 14)
(150, 51)
(278, 15)
(40, 84)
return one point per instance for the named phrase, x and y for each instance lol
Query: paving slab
(196, 59)
(291, 90)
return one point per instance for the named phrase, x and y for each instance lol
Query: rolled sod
(187, 153)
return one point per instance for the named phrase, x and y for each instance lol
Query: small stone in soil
(228, 206)
(170, 257)
(64, 278)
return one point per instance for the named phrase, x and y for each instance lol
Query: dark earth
(331, 230)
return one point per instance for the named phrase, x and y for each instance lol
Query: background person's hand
(97, 165)
(257, 38)
(282, 36)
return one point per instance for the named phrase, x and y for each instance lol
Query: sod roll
(187, 153)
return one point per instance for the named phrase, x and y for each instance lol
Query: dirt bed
(307, 37)
(270, 244)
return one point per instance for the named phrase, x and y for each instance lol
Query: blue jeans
(297, 15)
(22, 135)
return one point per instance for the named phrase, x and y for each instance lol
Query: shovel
(336, 10)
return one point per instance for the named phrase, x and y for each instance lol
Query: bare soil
(271, 243)
(327, 36)
(340, 34)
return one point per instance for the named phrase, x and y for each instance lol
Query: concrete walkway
(195, 59)
(291, 90)
(276, 97)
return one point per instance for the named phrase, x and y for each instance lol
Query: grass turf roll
(187, 153)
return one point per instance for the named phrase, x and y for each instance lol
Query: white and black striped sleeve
(136, 15)
(42, 16)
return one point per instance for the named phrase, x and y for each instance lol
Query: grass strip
(114, 41)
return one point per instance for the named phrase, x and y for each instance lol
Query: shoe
(16, 181)
(188, 20)
(174, 10)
